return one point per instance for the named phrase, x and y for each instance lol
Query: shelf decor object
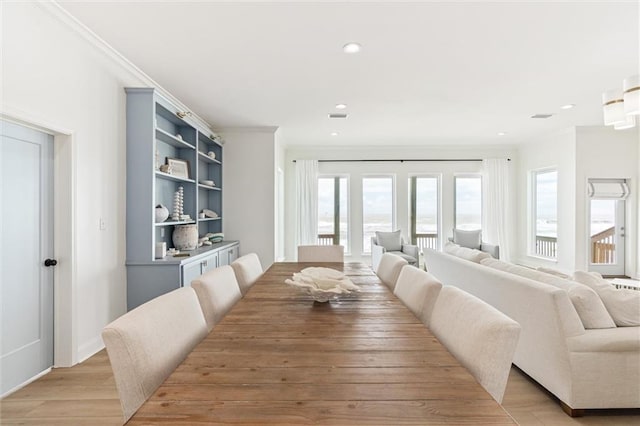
(158, 129)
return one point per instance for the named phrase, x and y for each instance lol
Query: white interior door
(26, 235)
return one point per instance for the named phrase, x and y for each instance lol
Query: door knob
(50, 262)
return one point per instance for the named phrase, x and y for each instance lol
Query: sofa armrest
(493, 250)
(376, 254)
(411, 250)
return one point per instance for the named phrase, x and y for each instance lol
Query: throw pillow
(622, 304)
(391, 241)
(590, 309)
(469, 239)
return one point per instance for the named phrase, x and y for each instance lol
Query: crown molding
(248, 129)
(71, 22)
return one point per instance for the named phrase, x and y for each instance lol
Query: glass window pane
(377, 208)
(325, 207)
(546, 209)
(344, 214)
(468, 215)
(603, 231)
(327, 211)
(426, 212)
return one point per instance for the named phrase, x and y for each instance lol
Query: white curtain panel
(307, 202)
(496, 204)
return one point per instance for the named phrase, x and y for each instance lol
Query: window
(424, 207)
(468, 202)
(545, 211)
(333, 211)
(377, 208)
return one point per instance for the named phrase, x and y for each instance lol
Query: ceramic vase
(185, 237)
(162, 213)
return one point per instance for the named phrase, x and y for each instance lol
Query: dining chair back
(247, 269)
(418, 290)
(217, 292)
(146, 344)
(321, 254)
(481, 338)
(389, 269)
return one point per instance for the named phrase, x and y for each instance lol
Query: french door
(607, 226)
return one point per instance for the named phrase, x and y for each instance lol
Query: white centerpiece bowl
(322, 284)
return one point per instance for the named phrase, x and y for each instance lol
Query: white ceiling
(429, 73)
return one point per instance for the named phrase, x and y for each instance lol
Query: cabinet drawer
(190, 272)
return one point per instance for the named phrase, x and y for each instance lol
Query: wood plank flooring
(86, 395)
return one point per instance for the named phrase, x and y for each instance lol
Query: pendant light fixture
(621, 107)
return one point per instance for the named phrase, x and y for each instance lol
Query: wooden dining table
(278, 357)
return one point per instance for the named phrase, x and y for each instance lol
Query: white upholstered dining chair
(146, 344)
(479, 336)
(247, 269)
(217, 292)
(418, 290)
(389, 269)
(321, 254)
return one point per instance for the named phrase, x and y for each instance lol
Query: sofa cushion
(623, 305)
(620, 339)
(553, 272)
(391, 241)
(590, 308)
(468, 239)
(412, 260)
(465, 253)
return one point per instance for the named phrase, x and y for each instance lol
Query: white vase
(162, 213)
(185, 237)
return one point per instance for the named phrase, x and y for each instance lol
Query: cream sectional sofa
(584, 368)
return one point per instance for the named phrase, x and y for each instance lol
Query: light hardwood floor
(86, 395)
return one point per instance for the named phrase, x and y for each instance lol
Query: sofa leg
(573, 412)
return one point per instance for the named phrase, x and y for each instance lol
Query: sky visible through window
(326, 208)
(468, 202)
(547, 204)
(426, 205)
(377, 208)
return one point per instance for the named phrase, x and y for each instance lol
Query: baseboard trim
(21, 385)
(89, 349)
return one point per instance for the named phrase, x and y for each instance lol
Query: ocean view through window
(377, 208)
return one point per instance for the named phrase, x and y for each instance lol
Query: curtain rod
(401, 161)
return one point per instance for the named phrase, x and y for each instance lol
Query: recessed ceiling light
(501, 133)
(334, 134)
(567, 106)
(351, 47)
(341, 106)
(337, 115)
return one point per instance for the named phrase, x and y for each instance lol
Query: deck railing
(546, 246)
(325, 239)
(603, 246)
(426, 241)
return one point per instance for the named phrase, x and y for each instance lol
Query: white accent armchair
(392, 242)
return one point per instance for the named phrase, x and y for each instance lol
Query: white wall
(555, 150)
(602, 152)
(578, 153)
(52, 73)
(401, 172)
(248, 197)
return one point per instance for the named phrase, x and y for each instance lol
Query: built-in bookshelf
(159, 135)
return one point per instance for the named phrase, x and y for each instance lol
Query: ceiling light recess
(543, 115)
(352, 47)
(334, 133)
(337, 115)
(501, 133)
(567, 106)
(341, 106)
(621, 107)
